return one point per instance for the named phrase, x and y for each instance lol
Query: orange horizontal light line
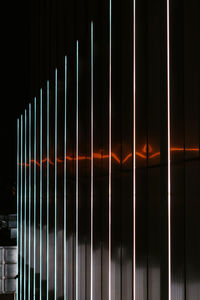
(114, 156)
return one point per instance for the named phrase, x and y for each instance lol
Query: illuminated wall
(108, 164)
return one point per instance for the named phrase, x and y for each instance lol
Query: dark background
(15, 92)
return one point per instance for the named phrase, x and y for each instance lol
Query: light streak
(134, 151)
(21, 205)
(110, 149)
(18, 243)
(47, 190)
(29, 256)
(77, 254)
(65, 186)
(92, 158)
(40, 194)
(169, 152)
(25, 199)
(34, 225)
(55, 216)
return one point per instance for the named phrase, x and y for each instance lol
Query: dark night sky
(15, 71)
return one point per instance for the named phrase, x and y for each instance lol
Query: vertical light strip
(25, 181)
(134, 150)
(18, 270)
(77, 258)
(92, 156)
(169, 156)
(21, 206)
(29, 235)
(55, 254)
(110, 141)
(65, 186)
(34, 225)
(47, 190)
(40, 194)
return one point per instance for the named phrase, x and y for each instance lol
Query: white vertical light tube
(21, 206)
(65, 186)
(169, 146)
(77, 255)
(25, 198)
(47, 190)
(55, 254)
(134, 150)
(29, 248)
(18, 269)
(40, 194)
(34, 221)
(92, 157)
(110, 146)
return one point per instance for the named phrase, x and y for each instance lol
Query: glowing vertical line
(21, 205)
(34, 225)
(18, 270)
(134, 147)
(29, 256)
(92, 156)
(55, 257)
(25, 198)
(77, 258)
(47, 190)
(110, 140)
(169, 156)
(40, 194)
(65, 186)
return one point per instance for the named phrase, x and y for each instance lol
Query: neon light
(34, 225)
(40, 194)
(77, 258)
(110, 157)
(17, 297)
(92, 156)
(47, 190)
(25, 199)
(134, 151)
(29, 256)
(55, 258)
(168, 158)
(21, 191)
(114, 156)
(65, 186)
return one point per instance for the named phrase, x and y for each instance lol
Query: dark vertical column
(177, 150)
(60, 185)
(192, 157)
(65, 181)
(84, 159)
(71, 173)
(101, 150)
(142, 148)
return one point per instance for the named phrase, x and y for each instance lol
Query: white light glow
(77, 254)
(21, 205)
(25, 199)
(134, 156)
(92, 158)
(29, 255)
(110, 158)
(47, 190)
(55, 252)
(34, 225)
(40, 194)
(169, 155)
(65, 186)
(18, 269)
